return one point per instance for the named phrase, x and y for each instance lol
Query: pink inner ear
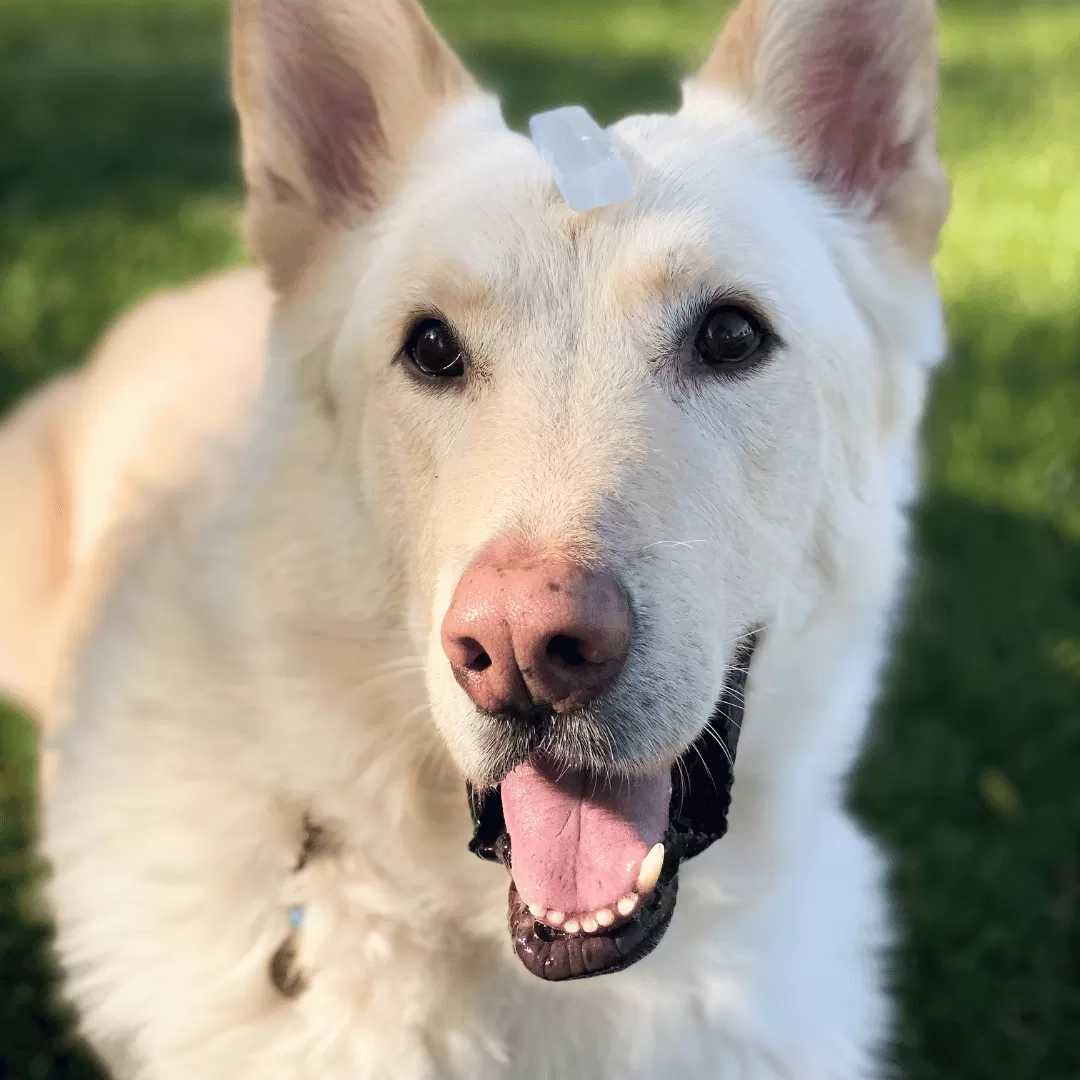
(324, 103)
(850, 90)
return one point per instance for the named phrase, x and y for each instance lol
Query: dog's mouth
(594, 860)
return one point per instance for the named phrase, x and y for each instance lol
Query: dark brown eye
(434, 350)
(729, 337)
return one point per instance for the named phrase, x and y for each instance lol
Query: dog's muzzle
(557, 945)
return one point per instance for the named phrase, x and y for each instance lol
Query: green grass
(118, 175)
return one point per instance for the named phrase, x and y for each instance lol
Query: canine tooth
(572, 926)
(649, 874)
(536, 911)
(605, 916)
(627, 904)
(555, 918)
(590, 926)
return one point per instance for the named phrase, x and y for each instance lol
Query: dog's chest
(369, 981)
(369, 987)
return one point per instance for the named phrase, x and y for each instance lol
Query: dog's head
(597, 452)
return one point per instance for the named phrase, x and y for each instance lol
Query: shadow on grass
(971, 780)
(971, 776)
(36, 1041)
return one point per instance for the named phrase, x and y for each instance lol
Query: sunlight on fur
(244, 532)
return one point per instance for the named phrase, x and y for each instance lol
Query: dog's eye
(434, 350)
(729, 337)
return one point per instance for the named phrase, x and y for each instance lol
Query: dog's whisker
(684, 782)
(336, 632)
(720, 742)
(673, 543)
(414, 712)
(388, 676)
(409, 662)
(705, 766)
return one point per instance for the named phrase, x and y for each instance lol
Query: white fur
(270, 647)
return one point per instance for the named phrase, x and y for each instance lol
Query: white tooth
(605, 916)
(572, 926)
(627, 904)
(590, 926)
(650, 869)
(537, 911)
(555, 918)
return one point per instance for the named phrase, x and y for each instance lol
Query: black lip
(700, 801)
(555, 956)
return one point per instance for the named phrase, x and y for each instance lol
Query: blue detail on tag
(296, 917)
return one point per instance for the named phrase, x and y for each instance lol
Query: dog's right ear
(332, 96)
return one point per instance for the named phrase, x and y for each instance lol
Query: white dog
(553, 505)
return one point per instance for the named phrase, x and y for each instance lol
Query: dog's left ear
(850, 86)
(332, 95)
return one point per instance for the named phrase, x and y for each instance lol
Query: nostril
(476, 657)
(567, 649)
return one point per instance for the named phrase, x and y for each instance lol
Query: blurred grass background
(118, 175)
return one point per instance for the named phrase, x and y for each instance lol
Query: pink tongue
(577, 843)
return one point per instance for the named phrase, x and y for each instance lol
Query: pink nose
(527, 627)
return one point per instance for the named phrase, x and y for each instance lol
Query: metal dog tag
(589, 170)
